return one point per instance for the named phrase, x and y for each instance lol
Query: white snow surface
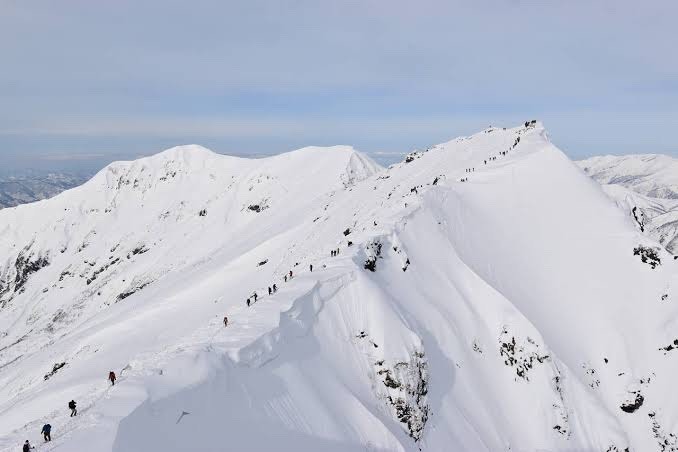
(506, 312)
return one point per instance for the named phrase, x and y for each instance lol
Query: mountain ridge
(481, 295)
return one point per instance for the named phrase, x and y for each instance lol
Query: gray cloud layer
(266, 76)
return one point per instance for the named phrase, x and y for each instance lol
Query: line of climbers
(274, 288)
(490, 159)
(46, 431)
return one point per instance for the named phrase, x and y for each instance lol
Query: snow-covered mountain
(653, 175)
(482, 295)
(646, 187)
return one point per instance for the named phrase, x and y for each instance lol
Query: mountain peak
(484, 275)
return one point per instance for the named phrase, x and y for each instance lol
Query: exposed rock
(648, 255)
(54, 370)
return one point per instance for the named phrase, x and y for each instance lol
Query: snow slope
(519, 309)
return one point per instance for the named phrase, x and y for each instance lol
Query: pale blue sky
(121, 78)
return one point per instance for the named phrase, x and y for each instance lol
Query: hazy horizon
(84, 84)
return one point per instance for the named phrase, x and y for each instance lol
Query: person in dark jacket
(27, 447)
(311, 268)
(248, 302)
(255, 296)
(275, 288)
(111, 378)
(225, 321)
(270, 291)
(46, 432)
(71, 405)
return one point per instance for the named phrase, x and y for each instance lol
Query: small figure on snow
(311, 268)
(255, 296)
(248, 302)
(285, 278)
(290, 274)
(225, 321)
(275, 288)
(27, 447)
(71, 405)
(269, 290)
(111, 378)
(46, 432)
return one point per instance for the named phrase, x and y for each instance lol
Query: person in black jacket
(46, 432)
(27, 447)
(71, 405)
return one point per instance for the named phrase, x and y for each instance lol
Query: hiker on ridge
(46, 432)
(111, 378)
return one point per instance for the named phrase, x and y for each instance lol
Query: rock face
(521, 309)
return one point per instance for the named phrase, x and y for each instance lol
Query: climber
(269, 290)
(255, 296)
(71, 405)
(275, 288)
(225, 321)
(311, 268)
(46, 429)
(248, 302)
(27, 447)
(111, 378)
(290, 274)
(285, 278)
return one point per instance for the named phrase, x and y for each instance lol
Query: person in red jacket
(111, 377)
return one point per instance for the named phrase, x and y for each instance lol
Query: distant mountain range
(646, 187)
(25, 187)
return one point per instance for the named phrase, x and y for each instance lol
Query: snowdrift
(484, 294)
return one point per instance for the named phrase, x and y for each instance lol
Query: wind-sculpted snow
(482, 295)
